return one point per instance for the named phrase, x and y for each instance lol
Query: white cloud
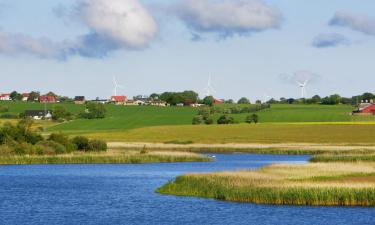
(359, 23)
(125, 22)
(228, 17)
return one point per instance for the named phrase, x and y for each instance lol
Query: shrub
(81, 143)
(9, 116)
(225, 119)
(197, 120)
(208, 121)
(97, 145)
(24, 148)
(50, 147)
(64, 140)
(252, 118)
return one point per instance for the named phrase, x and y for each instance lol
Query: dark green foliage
(197, 120)
(20, 133)
(50, 148)
(225, 119)
(33, 96)
(81, 143)
(208, 121)
(97, 145)
(208, 100)
(243, 100)
(174, 98)
(61, 113)
(9, 116)
(15, 96)
(252, 118)
(64, 140)
(93, 111)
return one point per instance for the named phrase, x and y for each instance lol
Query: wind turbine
(302, 85)
(209, 89)
(116, 86)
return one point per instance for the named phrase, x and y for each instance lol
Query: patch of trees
(93, 111)
(237, 109)
(21, 139)
(253, 118)
(175, 98)
(226, 119)
(204, 116)
(61, 114)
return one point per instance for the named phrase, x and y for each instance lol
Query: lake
(124, 194)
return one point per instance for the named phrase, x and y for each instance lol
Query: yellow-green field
(343, 184)
(353, 134)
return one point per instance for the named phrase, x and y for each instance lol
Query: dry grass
(312, 184)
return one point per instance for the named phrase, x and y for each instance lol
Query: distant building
(366, 108)
(47, 99)
(25, 96)
(119, 100)
(38, 114)
(218, 101)
(5, 97)
(79, 100)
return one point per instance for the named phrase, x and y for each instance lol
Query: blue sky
(168, 48)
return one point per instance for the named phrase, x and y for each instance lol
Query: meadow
(117, 156)
(341, 184)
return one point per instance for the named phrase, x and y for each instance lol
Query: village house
(5, 97)
(157, 103)
(119, 100)
(25, 97)
(47, 99)
(38, 114)
(366, 108)
(218, 101)
(79, 100)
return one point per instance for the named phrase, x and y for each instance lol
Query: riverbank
(340, 184)
(116, 156)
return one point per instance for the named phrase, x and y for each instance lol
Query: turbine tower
(302, 85)
(116, 86)
(209, 90)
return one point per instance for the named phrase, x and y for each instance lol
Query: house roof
(38, 113)
(4, 95)
(47, 98)
(118, 98)
(79, 98)
(25, 94)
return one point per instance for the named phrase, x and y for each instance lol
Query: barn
(366, 109)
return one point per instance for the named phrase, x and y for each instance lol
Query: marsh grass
(111, 157)
(343, 184)
(343, 158)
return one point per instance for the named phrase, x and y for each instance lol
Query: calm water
(124, 194)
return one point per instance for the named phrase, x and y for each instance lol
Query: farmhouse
(25, 97)
(119, 100)
(38, 114)
(79, 100)
(5, 97)
(218, 101)
(366, 108)
(47, 99)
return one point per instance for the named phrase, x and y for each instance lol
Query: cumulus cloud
(330, 40)
(359, 23)
(113, 25)
(227, 17)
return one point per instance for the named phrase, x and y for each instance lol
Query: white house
(5, 97)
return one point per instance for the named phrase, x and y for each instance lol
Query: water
(124, 194)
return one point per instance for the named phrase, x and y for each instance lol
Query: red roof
(44, 98)
(218, 101)
(369, 109)
(118, 98)
(5, 95)
(25, 95)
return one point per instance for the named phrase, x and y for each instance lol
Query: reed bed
(343, 158)
(111, 157)
(340, 184)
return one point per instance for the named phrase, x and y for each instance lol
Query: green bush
(24, 148)
(81, 143)
(197, 120)
(252, 118)
(97, 145)
(225, 119)
(64, 140)
(208, 121)
(51, 147)
(9, 116)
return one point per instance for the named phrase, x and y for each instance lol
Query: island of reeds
(328, 184)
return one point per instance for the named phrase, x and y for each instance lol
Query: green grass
(313, 184)
(343, 158)
(354, 134)
(111, 157)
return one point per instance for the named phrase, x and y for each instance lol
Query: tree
(225, 119)
(229, 101)
(367, 96)
(198, 119)
(15, 96)
(316, 99)
(208, 100)
(60, 113)
(174, 98)
(252, 118)
(243, 100)
(94, 111)
(33, 96)
(155, 96)
(258, 102)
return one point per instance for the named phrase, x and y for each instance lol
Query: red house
(368, 109)
(119, 99)
(47, 99)
(25, 96)
(217, 101)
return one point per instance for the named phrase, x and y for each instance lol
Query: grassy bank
(342, 184)
(355, 134)
(110, 157)
(343, 158)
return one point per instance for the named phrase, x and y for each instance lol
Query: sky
(251, 48)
